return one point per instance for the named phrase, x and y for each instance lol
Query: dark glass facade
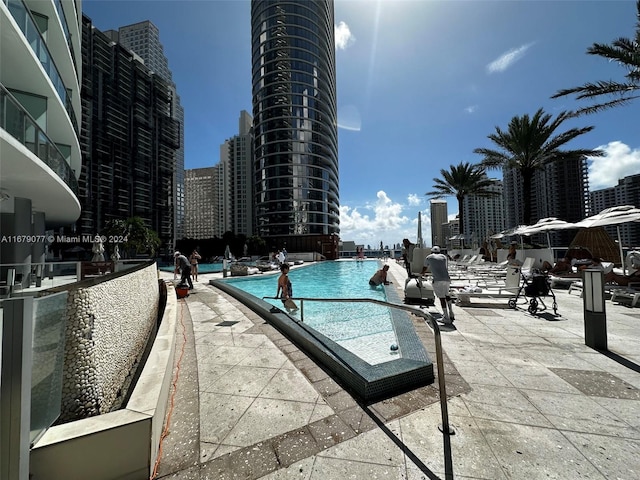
(295, 118)
(129, 140)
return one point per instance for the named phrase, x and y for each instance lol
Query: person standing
(285, 289)
(193, 259)
(185, 268)
(407, 254)
(281, 257)
(436, 263)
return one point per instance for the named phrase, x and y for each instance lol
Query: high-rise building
(201, 203)
(560, 190)
(40, 160)
(236, 154)
(626, 192)
(439, 218)
(143, 38)
(295, 123)
(484, 216)
(129, 139)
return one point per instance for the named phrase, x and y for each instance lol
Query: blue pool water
(342, 322)
(202, 268)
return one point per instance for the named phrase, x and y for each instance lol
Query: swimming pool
(362, 328)
(361, 358)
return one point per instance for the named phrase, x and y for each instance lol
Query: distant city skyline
(420, 85)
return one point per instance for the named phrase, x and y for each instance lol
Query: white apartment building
(484, 216)
(40, 110)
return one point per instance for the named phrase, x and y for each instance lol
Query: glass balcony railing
(20, 125)
(22, 16)
(65, 28)
(49, 322)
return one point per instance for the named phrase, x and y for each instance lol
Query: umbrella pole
(624, 272)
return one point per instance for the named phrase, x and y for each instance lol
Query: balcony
(20, 125)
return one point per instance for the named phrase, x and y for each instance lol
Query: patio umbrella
(458, 237)
(546, 225)
(508, 232)
(613, 216)
(227, 253)
(419, 239)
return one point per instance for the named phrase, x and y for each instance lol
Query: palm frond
(603, 106)
(626, 53)
(590, 90)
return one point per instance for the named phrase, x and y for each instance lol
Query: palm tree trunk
(461, 217)
(527, 180)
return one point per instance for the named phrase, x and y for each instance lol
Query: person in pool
(380, 277)
(285, 287)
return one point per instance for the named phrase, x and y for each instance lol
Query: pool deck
(527, 399)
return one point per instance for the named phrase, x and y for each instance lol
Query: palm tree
(625, 52)
(461, 181)
(531, 143)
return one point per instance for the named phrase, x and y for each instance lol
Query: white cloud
(507, 59)
(471, 108)
(382, 220)
(414, 200)
(618, 162)
(344, 37)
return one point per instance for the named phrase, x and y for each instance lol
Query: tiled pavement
(527, 399)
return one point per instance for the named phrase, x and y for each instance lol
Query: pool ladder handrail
(445, 428)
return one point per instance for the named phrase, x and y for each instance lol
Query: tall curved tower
(295, 119)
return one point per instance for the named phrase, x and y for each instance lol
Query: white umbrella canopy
(508, 232)
(612, 216)
(419, 239)
(549, 224)
(546, 225)
(459, 237)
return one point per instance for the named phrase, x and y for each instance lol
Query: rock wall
(108, 325)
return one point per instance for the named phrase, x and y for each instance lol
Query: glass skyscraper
(295, 119)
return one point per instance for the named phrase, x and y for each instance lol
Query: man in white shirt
(436, 263)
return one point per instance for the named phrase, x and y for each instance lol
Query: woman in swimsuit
(285, 287)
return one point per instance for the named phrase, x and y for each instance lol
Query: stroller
(535, 285)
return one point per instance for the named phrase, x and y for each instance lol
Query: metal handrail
(445, 428)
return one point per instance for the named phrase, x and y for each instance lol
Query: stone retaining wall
(108, 326)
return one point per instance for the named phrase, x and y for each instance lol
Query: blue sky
(420, 85)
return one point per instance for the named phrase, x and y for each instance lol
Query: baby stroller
(535, 285)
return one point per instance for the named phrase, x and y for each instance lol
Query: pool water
(365, 329)
(202, 268)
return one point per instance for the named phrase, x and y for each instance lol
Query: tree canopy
(531, 143)
(461, 181)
